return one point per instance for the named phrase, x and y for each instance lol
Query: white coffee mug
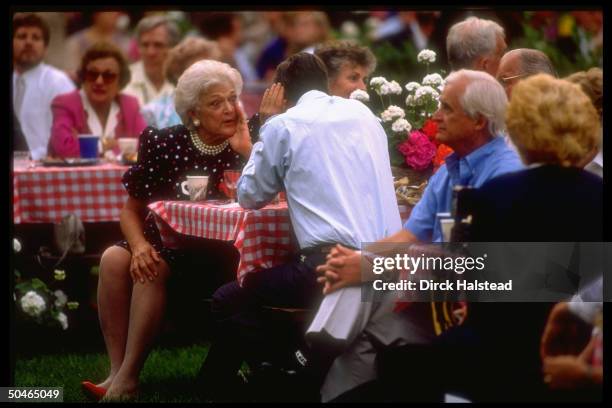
(127, 145)
(195, 187)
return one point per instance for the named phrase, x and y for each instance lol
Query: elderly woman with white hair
(134, 272)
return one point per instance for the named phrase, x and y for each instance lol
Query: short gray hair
(335, 54)
(149, 23)
(186, 52)
(470, 39)
(483, 95)
(197, 79)
(534, 62)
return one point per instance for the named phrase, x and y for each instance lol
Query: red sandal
(93, 390)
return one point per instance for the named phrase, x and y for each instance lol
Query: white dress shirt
(141, 87)
(329, 154)
(42, 83)
(596, 166)
(93, 122)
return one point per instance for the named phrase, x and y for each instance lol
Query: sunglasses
(107, 77)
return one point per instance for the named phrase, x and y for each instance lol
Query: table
(262, 237)
(46, 194)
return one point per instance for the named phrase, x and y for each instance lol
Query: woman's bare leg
(114, 293)
(147, 309)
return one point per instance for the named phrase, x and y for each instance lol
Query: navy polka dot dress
(165, 158)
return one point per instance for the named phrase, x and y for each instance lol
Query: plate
(128, 162)
(69, 162)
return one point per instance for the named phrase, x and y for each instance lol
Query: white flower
(412, 86)
(396, 88)
(426, 91)
(433, 80)
(61, 298)
(372, 23)
(63, 319)
(385, 89)
(378, 81)
(411, 100)
(360, 95)
(59, 275)
(426, 56)
(349, 29)
(391, 113)
(401, 125)
(33, 304)
(16, 245)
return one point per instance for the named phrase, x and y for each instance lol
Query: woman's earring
(196, 122)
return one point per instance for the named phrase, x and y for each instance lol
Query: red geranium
(441, 153)
(418, 150)
(430, 128)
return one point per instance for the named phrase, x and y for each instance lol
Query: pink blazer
(70, 120)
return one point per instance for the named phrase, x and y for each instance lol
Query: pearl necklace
(211, 150)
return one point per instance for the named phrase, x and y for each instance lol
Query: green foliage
(568, 54)
(167, 376)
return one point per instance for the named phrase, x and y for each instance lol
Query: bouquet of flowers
(37, 303)
(410, 130)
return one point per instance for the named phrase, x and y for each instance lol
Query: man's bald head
(522, 63)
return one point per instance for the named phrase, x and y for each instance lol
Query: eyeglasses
(505, 80)
(107, 77)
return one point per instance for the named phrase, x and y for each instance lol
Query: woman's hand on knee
(144, 264)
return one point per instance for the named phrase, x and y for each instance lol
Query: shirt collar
(476, 157)
(311, 95)
(32, 72)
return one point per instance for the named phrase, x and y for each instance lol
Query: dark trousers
(493, 357)
(241, 331)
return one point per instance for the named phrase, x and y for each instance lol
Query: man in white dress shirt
(329, 154)
(35, 84)
(156, 36)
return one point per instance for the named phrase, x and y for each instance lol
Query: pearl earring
(196, 122)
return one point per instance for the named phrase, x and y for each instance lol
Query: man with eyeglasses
(521, 63)
(35, 84)
(156, 35)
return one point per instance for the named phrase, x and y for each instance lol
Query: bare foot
(107, 383)
(121, 390)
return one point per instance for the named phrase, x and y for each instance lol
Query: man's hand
(562, 333)
(565, 372)
(273, 102)
(341, 269)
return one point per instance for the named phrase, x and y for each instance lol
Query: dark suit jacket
(543, 204)
(546, 203)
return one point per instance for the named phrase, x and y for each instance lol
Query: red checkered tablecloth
(46, 194)
(262, 237)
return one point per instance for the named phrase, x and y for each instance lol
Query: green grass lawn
(167, 375)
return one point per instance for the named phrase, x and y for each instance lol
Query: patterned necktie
(19, 93)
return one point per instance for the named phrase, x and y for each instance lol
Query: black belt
(321, 249)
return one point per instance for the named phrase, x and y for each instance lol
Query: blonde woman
(554, 127)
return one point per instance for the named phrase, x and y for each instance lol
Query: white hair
(483, 95)
(197, 79)
(470, 39)
(151, 22)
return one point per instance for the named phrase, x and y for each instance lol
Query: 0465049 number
(31, 393)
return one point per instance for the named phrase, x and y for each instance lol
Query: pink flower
(418, 150)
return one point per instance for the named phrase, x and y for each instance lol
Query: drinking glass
(230, 180)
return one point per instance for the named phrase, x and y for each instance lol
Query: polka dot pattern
(165, 158)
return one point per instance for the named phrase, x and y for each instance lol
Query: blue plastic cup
(88, 145)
